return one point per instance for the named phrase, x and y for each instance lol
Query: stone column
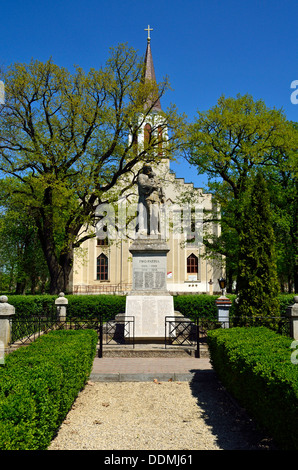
(292, 313)
(223, 307)
(6, 313)
(61, 302)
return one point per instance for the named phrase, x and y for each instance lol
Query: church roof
(150, 73)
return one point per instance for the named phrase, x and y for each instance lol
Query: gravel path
(157, 416)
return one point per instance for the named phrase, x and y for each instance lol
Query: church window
(102, 267)
(102, 241)
(147, 134)
(192, 264)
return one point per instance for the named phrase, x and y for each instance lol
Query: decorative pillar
(292, 313)
(6, 313)
(223, 307)
(61, 302)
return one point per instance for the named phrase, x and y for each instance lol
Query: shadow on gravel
(233, 428)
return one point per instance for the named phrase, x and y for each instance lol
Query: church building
(104, 266)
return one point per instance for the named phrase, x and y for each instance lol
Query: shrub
(107, 306)
(94, 306)
(33, 305)
(196, 306)
(254, 364)
(38, 385)
(79, 306)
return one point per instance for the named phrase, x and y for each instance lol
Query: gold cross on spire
(148, 29)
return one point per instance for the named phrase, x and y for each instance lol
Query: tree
(64, 138)
(231, 143)
(258, 286)
(22, 264)
(283, 187)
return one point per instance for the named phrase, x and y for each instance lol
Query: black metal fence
(193, 333)
(24, 330)
(179, 331)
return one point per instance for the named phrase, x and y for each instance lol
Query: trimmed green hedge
(92, 306)
(195, 306)
(38, 385)
(32, 305)
(254, 364)
(79, 306)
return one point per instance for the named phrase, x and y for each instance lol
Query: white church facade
(103, 264)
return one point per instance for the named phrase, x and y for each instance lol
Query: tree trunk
(60, 272)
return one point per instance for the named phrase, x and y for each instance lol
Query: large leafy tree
(231, 143)
(64, 138)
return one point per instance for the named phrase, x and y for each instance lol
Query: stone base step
(152, 351)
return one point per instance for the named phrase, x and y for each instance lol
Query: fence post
(292, 313)
(61, 303)
(100, 352)
(223, 307)
(6, 313)
(198, 353)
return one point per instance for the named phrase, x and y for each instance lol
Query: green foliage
(254, 364)
(92, 306)
(79, 306)
(95, 306)
(22, 264)
(38, 385)
(64, 141)
(32, 305)
(196, 306)
(257, 279)
(231, 143)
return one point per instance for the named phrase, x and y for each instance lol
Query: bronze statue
(151, 195)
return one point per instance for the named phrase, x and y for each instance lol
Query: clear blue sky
(206, 47)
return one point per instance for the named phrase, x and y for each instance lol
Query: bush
(284, 301)
(33, 305)
(254, 364)
(197, 306)
(79, 306)
(107, 306)
(94, 306)
(38, 385)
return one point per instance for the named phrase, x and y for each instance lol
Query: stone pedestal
(149, 302)
(6, 313)
(223, 308)
(61, 303)
(292, 313)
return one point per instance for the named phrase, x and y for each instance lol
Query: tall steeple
(149, 69)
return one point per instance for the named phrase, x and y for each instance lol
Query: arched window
(102, 268)
(147, 134)
(192, 264)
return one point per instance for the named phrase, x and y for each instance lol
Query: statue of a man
(151, 195)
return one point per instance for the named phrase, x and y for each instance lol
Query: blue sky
(206, 47)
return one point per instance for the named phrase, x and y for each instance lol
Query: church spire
(149, 69)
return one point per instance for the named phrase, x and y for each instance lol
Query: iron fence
(25, 330)
(193, 333)
(179, 331)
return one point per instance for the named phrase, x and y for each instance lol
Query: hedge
(94, 306)
(38, 385)
(91, 306)
(254, 364)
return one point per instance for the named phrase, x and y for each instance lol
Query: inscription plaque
(149, 272)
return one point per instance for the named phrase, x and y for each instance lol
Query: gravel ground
(157, 416)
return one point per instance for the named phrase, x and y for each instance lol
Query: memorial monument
(149, 302)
